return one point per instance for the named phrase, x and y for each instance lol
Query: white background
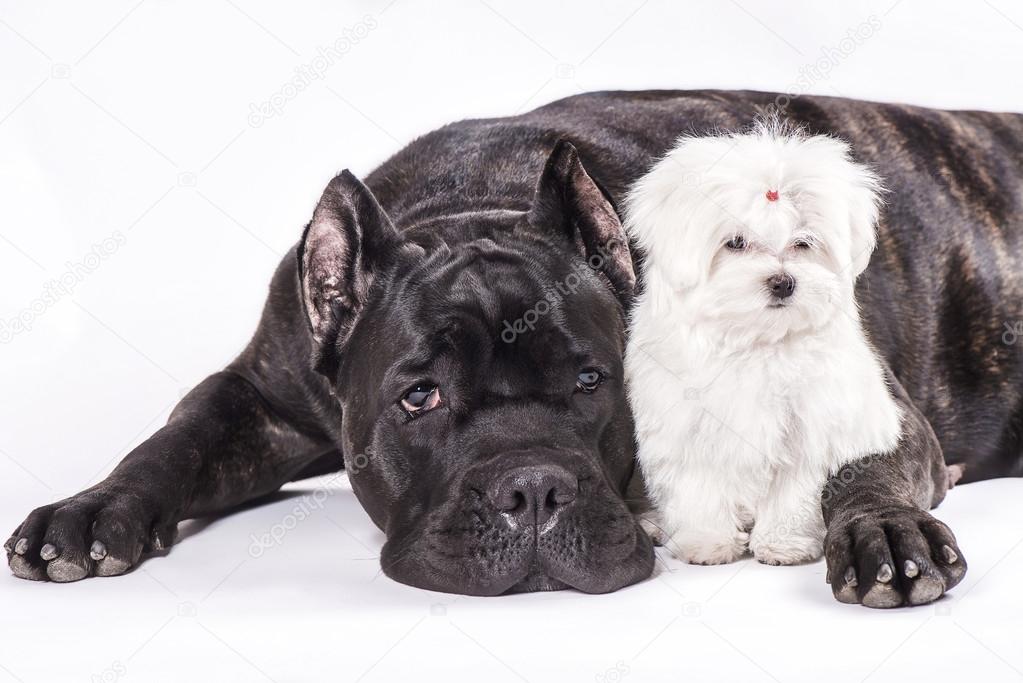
(132, 121)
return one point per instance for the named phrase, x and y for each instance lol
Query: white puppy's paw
(788, 550)
(707, 548)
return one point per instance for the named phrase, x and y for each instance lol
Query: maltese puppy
(750, 375)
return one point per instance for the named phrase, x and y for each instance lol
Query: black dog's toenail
(48, 552)
(98, 551)
(884, 573)
(950, 555)
(911, 569)
(21, 547)
(850, 577)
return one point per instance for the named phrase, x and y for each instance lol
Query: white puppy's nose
(781, 285)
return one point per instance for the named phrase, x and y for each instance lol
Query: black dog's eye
(421, 398)
(588, 380)
(737, 243)
(801, 244)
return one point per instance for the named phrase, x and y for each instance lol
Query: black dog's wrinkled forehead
(525, 315)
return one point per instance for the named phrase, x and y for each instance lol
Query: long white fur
(743, 410)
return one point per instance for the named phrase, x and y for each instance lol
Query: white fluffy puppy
(749, 372)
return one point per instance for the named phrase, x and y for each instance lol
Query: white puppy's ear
(669, 215)
(859, 190)
(864, 200)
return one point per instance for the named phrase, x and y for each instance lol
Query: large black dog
(454, 329)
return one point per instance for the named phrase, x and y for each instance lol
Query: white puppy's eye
(801, 244)
(737, 243)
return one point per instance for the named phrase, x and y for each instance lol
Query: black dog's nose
(781, 286)
(531, 495)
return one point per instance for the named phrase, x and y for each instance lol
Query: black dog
(464, 316)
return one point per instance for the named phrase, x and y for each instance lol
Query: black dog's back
(943, 296)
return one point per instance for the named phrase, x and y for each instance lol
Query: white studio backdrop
(158, 158)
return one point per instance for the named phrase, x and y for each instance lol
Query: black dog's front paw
(892, 556)
(99, 532)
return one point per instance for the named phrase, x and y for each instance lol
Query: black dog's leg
(222, 446)
(883, 549)
(238, 435)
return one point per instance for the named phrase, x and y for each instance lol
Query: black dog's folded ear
(348, 238)
(568, 199)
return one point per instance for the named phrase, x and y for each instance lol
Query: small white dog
(749, 372)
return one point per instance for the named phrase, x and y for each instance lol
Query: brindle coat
(941, 299)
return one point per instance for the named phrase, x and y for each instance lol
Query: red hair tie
(772, 195)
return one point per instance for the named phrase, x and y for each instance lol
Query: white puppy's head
(762, 233)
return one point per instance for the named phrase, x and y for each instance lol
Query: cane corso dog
(451, 332)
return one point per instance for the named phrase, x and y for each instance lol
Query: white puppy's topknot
(712, 184)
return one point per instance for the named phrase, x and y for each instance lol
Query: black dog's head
(478, 364)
